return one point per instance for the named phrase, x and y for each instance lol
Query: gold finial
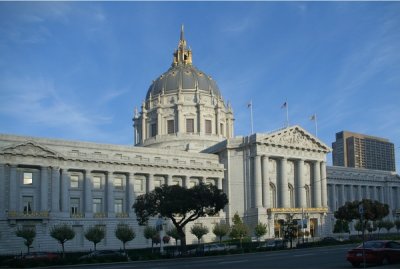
(182, 55)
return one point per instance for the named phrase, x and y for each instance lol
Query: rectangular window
(170, 126)
(221, 127)
(208, 127)
(118, 184)
(97, 205)
(74, 183)
(153, 129)
(75, 206)
(189, 125)
(27, 202)
(139, 185)
(97, 182)
(28, 178)
(118, 205)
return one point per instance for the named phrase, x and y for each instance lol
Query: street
(323, 257)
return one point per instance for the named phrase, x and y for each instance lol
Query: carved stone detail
(31, 149)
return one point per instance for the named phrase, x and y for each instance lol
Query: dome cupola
(184, 108)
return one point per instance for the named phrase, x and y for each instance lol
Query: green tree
(388, 225)
(27, 233)
(199, 231)
(238, 230)
(220, 230)
(341, 226)
(397, 224)
(260, 230)
(173, 232)
(373, 211)
(358, 226)
(95, 234)
(150, 232)
(62, 233)
(380, 224)
(180, 205)
(124, 233)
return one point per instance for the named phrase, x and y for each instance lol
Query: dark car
(41, 256)
(329, 240)
(104, 255)
(376, 251)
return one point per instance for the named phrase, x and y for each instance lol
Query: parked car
(376, 251)
(104, 255)
(41, 256)
(329, 240)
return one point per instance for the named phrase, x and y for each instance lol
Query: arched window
(291, 196)
(272, 195)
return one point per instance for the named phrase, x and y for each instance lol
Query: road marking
(233, 262)
(300, 255)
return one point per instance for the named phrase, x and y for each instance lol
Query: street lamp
(160, 227)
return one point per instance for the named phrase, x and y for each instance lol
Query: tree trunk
(62, 244)
(183, 239)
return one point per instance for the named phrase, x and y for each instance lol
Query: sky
(77, 70)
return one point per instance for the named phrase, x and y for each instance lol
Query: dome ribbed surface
(184, 77)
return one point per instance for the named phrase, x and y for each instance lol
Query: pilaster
(55, 189)
(257, 181)
(265, 181)
(87, 191)
(13, 194)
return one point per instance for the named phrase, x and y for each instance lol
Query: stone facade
(183, 135)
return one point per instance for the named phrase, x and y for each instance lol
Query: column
(265, 181)
(13, 188)
(110, 194)
(360, 195)
(180, 119)
(160, 130)
(219, 182)
(87, 194)
(283, 190)
(55, 189)
(324, 192)
(131, 191)
(64, 191)
(44, 188)
(217, 117)
(257, 181)
(317, 185)
(201, 119)
(150, 182)
(184, 182)
(343, 194)
(301, 190)
(144, 125)
(169, 179)
(382, 194)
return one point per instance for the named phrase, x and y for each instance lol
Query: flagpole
(316, 125)
(251, 116)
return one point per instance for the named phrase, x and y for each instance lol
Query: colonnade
(286, 198)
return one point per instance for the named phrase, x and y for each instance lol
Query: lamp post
(160, 228)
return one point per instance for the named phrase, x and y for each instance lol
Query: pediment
(30, 148)
(295, 137)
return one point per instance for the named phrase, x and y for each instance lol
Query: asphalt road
(324, 257)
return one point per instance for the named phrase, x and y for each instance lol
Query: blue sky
(76, 70)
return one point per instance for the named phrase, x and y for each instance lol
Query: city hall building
(184, 134)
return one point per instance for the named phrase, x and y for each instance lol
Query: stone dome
(184, 77)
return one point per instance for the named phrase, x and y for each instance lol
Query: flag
(250, 104)
(284, 105)
(312, 117)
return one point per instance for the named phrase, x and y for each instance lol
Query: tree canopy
(198, 231)
(220, 230)
(373, 210)
(95, 234)
(124, 233)
(27, 233)
(62, 233)
(180, 205)
(238, 230)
